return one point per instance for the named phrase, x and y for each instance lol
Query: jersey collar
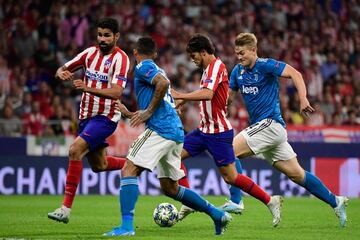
(250, 69)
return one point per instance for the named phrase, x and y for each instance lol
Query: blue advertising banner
(46, 175)
(337, 164)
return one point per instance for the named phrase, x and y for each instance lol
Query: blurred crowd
(319, 38)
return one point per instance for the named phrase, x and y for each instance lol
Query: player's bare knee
(297, 178)
(127, 172)
(229, 179)
(74, 152)
(169, 187)
(130, 170)
(98, 167)
(170, 191)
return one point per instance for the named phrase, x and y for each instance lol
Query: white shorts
(150, 150)
(268, 140)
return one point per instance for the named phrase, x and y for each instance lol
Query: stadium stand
(320, 38)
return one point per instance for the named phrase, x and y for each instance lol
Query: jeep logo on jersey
(96, 76)
(250, 90)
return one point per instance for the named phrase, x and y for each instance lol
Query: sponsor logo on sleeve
(121, 78)
(149, 72)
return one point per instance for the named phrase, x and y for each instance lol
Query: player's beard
(105, 48)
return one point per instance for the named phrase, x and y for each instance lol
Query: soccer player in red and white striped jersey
(106, 67)
(105, 72)
(213, 111)
(215, 133)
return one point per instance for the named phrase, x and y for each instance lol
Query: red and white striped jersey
(100, 72)
(213, 112)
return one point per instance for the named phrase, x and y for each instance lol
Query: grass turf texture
(25, 217)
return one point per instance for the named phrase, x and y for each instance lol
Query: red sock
(114, 163)
(184, 181)
(248, 186)
(72, 181)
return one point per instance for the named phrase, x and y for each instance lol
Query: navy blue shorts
(95, 130)
(218, 144)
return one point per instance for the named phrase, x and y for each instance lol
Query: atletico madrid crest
(107, 64)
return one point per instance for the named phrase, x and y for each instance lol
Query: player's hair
(146, 46)
(200, 42)
(109, 23)
(246, 39)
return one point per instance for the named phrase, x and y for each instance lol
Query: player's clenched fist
(64, 75)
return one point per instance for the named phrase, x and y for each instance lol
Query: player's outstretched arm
(112, 93)
(290, 72)
(198, 95)
(179, 103)
(64, 74)
(161, 87)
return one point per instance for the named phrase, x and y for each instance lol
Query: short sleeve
(274, 67)
(215, 72)
(120, 71)
(147, 71)
(233, 85)
(79, 61)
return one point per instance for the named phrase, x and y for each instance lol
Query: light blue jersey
(165, 120)
(259, 87)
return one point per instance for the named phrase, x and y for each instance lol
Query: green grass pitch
(25, 217)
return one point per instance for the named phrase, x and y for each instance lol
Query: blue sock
(314, 185)
(196, 202)
(235, 192)
(129, 192)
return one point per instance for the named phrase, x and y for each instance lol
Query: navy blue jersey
(165, 120)
(259, 87)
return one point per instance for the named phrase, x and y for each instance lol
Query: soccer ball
(165, 215)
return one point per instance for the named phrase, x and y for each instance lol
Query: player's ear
(117, 36)
(203, 53)
(135, 52)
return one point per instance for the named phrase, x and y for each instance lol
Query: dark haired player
(106, 68)
(159, 146)
(215, 132)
